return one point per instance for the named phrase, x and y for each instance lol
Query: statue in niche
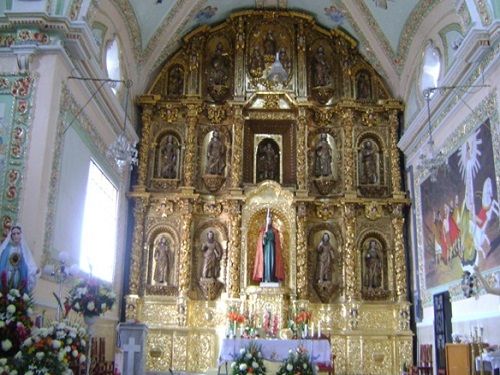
(323, 157)
(219, 72)
(363, 89)
(163, 261)
(270, 44)
(267, 163)
(285, 61)
(373, 266)
(256, 63)
(321, 69)
(170, 155)
(326, 256)
(368, 173)
(212, 255)
(216, 155)
(268, 265)
(175, 81)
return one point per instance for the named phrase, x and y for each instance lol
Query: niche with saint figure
(325, 262)
(210, 258)
(374, 268)
(162, 277)
(175, 85)
(363, 85)
(167, 157)
(371, 167)
(214, 161)
(267, 160)
(324, 162)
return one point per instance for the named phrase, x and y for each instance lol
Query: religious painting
(460, 212)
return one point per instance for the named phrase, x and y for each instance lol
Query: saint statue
(163, 261)
(17, 261)
(373, 266)
(256, 63)
(212, 255)
(326, 255)
(368, 159)
(270, 44)
(169, 169)
(216, 155)
(321, 69)
(268, 265)
(268, 164)
(363, 86)
(323, 157)
(219, 72)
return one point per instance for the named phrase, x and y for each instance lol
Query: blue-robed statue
(16, 261)
(268, 265)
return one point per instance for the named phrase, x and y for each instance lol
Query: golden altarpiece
(269, 111)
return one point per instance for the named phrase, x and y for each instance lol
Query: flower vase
(305, 331)
(90, 321)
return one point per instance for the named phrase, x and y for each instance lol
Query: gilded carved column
(395, 166)
(193, 110)
(301, 150)
(301, 252)
(239, 67)
(349, 171)
(301, 61)
(185, 207)
(147, 114)
(399, 254)
(234, 259)
(141, 205)
(195, 48)
(350, 276)
(237, 149)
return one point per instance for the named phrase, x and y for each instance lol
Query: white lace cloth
(491, 361)
(277, 350)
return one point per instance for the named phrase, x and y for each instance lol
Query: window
(113, 65)
(98, 241)
(431, 67)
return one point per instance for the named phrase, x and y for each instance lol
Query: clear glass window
(99, 228)
(431, 67)
(113, 64)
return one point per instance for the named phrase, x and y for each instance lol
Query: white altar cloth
(491, 361)
(276, 350)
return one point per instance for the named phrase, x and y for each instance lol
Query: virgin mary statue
(268, 260)
(16, 260)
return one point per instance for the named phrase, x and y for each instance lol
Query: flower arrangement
(90, 298)
(248, 361)
(297, 363)
(52, 349)
(15, 311)
(301, 322)
(234, 318)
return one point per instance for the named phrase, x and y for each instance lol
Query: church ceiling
(383, 28)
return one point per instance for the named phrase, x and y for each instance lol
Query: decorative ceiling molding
(173, 25)
(133, 28)
(368, 48)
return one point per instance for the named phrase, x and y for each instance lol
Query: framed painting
(460, 212)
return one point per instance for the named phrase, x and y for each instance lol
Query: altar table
(276, 350)
(491, 362)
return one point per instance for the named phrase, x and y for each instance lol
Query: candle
(319, 329)
(312, 329)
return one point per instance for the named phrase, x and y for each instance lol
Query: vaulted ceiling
(383, 28)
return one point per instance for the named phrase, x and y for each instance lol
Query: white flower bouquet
(90, 298)
(248, 361)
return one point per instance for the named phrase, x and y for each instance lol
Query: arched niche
(268, 158)
(371, 179)
(374, 269)
(168, 156)
(169, 286)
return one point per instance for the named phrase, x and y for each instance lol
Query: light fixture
(121, 150)
(433, 161)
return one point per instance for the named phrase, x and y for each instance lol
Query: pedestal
(132, 340)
